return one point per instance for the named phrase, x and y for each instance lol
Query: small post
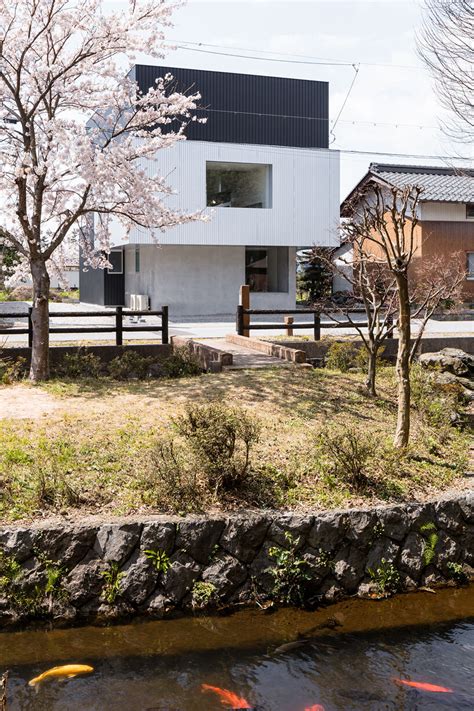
(239, 320)
(245, 303)
(289, 322)
(164, 325)
(118, 326)
(30, 327)
(389, 326)
(317, 326)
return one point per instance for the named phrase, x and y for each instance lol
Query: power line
(265, 59)
(317, 118)
(314, 60)
(356, 72)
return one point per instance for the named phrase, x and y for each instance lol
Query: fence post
(389, 326)
(317, 326)
(245, 303)
(30, 327)
(164, 325)
(118, 326)
(239, 320)
(289, 321)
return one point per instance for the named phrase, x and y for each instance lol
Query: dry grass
(92, 452)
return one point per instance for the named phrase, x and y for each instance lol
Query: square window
(238, 185)
(267, 269)
(470, 265)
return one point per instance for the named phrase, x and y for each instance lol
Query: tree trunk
(402, 433)
(371, 373)
(39, 369)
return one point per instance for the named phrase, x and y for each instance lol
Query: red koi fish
(315, 707)
(424, 686)
(228, 698)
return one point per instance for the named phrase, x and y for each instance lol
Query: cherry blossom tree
(76, 135)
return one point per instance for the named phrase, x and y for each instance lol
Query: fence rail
(244, 324)
(118, 328)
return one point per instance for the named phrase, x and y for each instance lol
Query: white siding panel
(305, 202)
(444, 211)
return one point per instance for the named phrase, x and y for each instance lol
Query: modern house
(261, 167)
(445, 212)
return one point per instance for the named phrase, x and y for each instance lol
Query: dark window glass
(238, 185)
(256, 269)
(116, 260)
(470, 211)
(137, 259)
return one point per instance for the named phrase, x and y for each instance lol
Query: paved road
(195, 327)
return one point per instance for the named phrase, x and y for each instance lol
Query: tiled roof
(440, 184)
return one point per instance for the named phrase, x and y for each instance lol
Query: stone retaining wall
(231, 554)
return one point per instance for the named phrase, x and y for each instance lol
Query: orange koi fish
(228, 698)
(424, 686)
(315, 707)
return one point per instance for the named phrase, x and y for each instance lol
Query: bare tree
(374, 290)
(387, 217)
(446, 45)
(438, 287)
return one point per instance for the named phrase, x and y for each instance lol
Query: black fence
(244, 324)
(118, 327)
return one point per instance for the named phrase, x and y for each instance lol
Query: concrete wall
(198, 280)
(444, 211)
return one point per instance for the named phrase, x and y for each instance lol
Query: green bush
(438, 403)
(81, 364)
(346, 454)
(361, 359)
(209, 455)
(220, 437)
(181, 363)
(128, 365)
(341, 356)
(290, 573)
(12, 370)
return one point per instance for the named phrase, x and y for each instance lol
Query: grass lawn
(91, 453)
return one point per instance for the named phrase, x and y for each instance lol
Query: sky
(392, 106)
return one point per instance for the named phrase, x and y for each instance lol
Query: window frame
(137, 260)
(469, 206)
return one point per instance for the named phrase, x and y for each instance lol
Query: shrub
(221, 438)
(181, 363)
(173, 481)
(203, 594)
(438, 403)
(347, 454)
(290, 573)
(209, 455)
(386, 578)
(361, 359)
(130, 364)
(341, 356)
(81, 364)
(12, 370)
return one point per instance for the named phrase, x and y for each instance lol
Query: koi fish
(315, 707)
(424, 686)
(68, 671)
(228, 698)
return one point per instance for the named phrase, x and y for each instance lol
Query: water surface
(353, 654)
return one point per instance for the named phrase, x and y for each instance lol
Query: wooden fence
(118, 327)
(244, 324)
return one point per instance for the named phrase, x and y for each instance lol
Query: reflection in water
(248, 659)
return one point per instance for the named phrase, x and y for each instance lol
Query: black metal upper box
(244, 108)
